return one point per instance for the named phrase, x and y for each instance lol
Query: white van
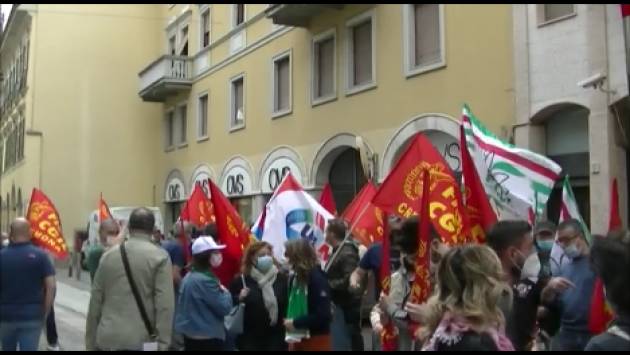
(120, 214)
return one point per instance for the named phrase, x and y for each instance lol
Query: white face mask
(5, 243)
(216, 259)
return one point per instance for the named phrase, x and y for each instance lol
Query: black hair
(337, 227)
(407, 239)
(610, 259)
(505, 234)
(573, 224)
(142, 219)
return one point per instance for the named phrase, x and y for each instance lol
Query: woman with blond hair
(309, 310)
(264, 291)
(464, 313)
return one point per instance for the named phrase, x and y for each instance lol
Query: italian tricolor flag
(569, 208)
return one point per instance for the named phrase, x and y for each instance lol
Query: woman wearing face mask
(265, 298)
(203, 302)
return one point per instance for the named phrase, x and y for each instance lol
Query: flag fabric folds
(233, 233)
(367, 222)
(46, 225)
(569, 208)
(103, 210)
(401, 191)
(293, 213)
(327, 200)
(514, 179)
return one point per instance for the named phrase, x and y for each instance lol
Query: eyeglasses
(566, 240)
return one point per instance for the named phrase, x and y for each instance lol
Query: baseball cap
(545, 227)
(205, 243)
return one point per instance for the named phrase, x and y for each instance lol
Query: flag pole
(347, 236)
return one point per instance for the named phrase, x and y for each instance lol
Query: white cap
(204, 243)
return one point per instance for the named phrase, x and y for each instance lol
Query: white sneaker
(54, 347)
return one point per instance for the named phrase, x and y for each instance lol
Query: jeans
(51, 328)
(345, 328)
(203, 344)
(569, 341)
(22, 335)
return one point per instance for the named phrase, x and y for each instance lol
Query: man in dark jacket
(339, 269)
(610, 257)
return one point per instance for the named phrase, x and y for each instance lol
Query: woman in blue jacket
(203, 301)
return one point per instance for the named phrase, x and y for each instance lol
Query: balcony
(167, 76)
(297, 15)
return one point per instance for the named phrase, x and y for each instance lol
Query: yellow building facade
(72, 123)
(248, 92)
(140, 102)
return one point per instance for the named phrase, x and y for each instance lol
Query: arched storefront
(174, 196)
(338, 162)
(442, 130)
(201, 175)
(275, 166)
(567, 143)
(237, 185)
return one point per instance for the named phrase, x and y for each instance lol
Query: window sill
(322, 100)
(558, 19)
(202, 139)
(237, 128)
(359, 89)
(182, 145)
(411, 72)
(169, 149)
(279, 114)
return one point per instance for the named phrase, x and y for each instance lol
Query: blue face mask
(264, 263)
(545, 245)
(572, 251)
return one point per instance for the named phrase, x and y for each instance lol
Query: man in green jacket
(108, 233)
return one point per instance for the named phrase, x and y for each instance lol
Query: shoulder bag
(235, 319)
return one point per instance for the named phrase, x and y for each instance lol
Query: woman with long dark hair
(309, 310)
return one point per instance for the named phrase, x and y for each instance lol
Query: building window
(202, 127)
(171, 45)
(239, 14)
(182, 124)
(170, 129)
(205, 28)
(237, 102)
(324, 69)
(552, 12)
(282, 84)
(360, 43)
(424, 42)
(183, 49)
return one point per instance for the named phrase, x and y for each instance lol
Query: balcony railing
(297, 15)
(166, 76)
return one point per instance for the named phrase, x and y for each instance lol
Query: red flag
(45, 224)
(103, 210)
(366, 220)
(481, 216)
(401, 191)
(625, 10)
(389, 338)
(233, 233)
(327, 201)
(198, 209)
(601, 313)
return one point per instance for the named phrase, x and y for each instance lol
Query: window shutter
(362, 53)
(427, 34)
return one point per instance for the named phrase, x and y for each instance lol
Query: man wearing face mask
(514, 244)
(4, 239)
(569, 291)
(109, 235)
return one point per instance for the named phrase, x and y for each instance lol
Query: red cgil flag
(367, 222)
(601, 313)
(401, 191)
(198, 210)
(103, 210)
(233, 233)
(45, 224)
(389, 337)
(481, 216)
(327, 200)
